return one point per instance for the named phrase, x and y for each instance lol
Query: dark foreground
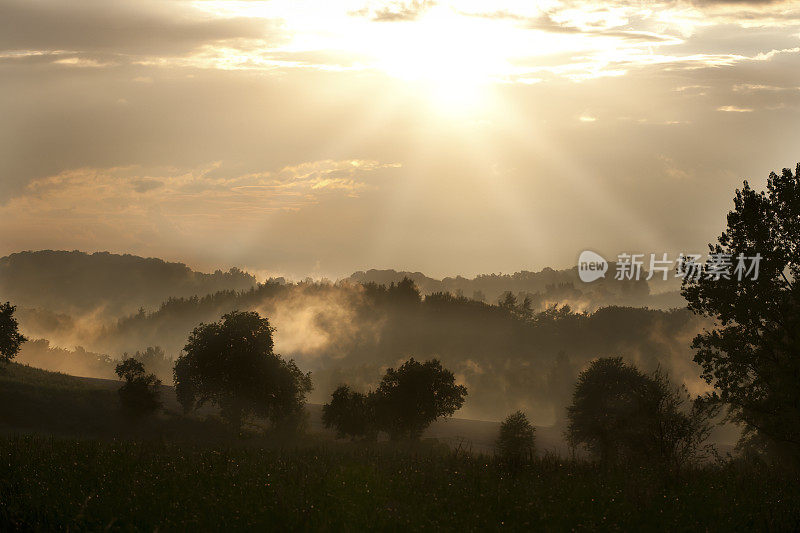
(48, 483)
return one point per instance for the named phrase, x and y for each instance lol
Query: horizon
(262, 276)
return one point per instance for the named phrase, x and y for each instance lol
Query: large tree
(605, 407)
(10, 337)
(752, 354)
(409, 398)
(621, 414)
(232, 364)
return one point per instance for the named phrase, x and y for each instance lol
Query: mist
(352, 330)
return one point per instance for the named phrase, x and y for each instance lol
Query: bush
(405, 403)
(140, 395)
(516, 440)
(350, 413)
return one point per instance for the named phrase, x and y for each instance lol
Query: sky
(316, 138)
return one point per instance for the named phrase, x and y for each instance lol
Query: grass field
(69, 461)
(48, 483)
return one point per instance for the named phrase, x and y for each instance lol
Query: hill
(35, 400)
(103, 283)
(61, 287)
(38, 401)
(347, 333)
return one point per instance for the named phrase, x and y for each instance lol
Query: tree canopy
(140, 395)
(350, 413)
(10, 337)
(409, 398)
(622, 414)
(752, 355)
(231, 364)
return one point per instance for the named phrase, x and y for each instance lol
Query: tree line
(751, 358)
(617, 412)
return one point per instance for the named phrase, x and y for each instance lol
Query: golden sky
(316, 138)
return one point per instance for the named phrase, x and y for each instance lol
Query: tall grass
(49, 483)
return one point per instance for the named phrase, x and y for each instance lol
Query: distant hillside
(104, 283)
(57, 287)
(492, 285)
(545, 288)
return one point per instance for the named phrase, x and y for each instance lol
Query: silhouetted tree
(405, 292)
(350, 413)
(508, 302)
(675, 427)
(751, 355)
(410, 398)
(516, 440)
(620, 413)
(10, 337)
(141, 394)
(605, 406)
(231, 364)
(526, 307)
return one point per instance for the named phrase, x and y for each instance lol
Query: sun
(452, 57)
(449, 56)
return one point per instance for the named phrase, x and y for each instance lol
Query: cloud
(740, 2)
(142, 185)
(81, 62)
(110, 192)
(734, 109)
(345, 176)
(598, 27)
(760, 87)
(672, 170)
(120, 27)
(163, 209)
(574, 39)
(395, 11)
(693, 88)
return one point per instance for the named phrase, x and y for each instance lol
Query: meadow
(69, 461)
(51, 483)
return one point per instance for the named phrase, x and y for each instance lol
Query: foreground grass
(48, 483)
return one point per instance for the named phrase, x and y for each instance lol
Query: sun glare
(449, 54)
(453, 57)
(442, 48)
